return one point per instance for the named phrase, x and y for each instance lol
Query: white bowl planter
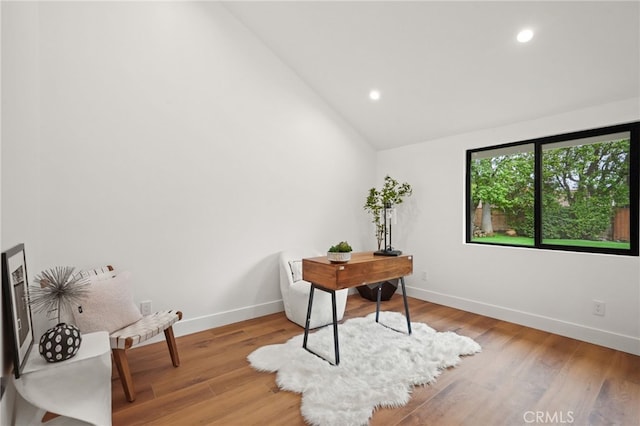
(338, 257)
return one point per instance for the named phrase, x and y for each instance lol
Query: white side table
(78, 388)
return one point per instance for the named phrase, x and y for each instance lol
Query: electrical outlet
(424, 275)
(599, 307)
(145, 307)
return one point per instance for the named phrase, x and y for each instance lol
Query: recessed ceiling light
(525, 35)
(374, 95)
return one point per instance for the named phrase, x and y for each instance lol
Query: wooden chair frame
(123, 339)
(122, 363)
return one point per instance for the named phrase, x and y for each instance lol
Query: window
(576, 191)
(502, 195)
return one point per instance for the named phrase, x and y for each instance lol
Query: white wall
(19, 136)
(165, 139)
(20, 129)
(550, 290)
(174, 144)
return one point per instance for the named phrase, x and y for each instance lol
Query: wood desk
(363, 268)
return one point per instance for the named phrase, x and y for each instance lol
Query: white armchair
(295, 292)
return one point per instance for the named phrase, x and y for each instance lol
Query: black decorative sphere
(60, 342)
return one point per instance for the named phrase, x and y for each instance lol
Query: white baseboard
(194, 325)
(596, 336)
(206, 322)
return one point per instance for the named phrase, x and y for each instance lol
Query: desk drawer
(337, 276)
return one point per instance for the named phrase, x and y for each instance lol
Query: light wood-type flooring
(522, 376)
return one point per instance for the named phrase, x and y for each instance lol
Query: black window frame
(634, 188)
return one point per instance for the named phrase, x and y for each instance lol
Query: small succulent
(341, 247)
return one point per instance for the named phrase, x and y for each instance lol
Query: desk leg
(404, 297)
(335, 327)
(406, 305)
(335, 324)
(306, 325)
(379, 296)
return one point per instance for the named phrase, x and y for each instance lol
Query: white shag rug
(378, 366)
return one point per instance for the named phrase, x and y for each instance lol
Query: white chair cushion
(108, 306)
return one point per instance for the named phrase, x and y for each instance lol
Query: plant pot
(60, 342)
(370, 291)
(338, 257)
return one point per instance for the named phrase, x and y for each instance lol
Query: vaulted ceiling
(445, 68)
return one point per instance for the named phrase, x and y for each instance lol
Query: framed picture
(15, 293)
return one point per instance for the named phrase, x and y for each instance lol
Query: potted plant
(379, 202)
(340, 253)
(390, 195)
